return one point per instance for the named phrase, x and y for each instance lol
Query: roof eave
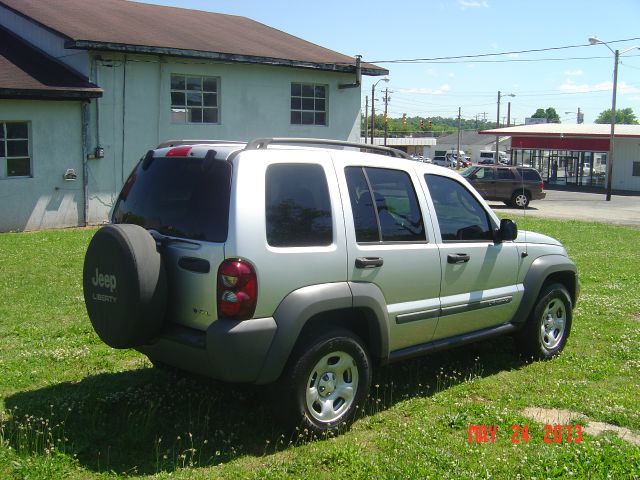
(49, 94)
(219, 56)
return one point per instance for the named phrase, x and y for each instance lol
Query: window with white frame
(15, 159)
(308, 104)
(194, 99)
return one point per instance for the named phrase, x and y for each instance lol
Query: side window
(298, 208)
(384, 204)
(484, 173)
(505, 174)
(460, 216)
(529, 174)
(15, 160)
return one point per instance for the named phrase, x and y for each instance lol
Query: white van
(489, 156)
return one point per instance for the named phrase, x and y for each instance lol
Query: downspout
(85, 165)
(124, 117)
(356, 84)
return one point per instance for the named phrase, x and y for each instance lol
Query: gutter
(369, 69)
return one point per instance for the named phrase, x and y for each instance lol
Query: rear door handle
(369, 262)
(458, 258)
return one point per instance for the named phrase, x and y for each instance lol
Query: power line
(534, 50)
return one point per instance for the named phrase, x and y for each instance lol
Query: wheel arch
(543, 271)
(318, 307)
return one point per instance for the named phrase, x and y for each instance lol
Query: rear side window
(298, 207)
(505, 174)
(460, 216)
(384, 205)
(180, 197)
(529, 174)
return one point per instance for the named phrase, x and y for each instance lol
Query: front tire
(549, 324)
(325, 383)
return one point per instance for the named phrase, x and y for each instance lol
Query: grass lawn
(71, 407)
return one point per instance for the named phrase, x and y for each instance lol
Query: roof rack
(173, 143)
(260, 143)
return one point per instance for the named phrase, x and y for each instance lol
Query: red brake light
(179, 152)
(237, 289)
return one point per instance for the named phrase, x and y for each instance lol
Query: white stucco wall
(627, 151)
(254, 101)
(45, 200)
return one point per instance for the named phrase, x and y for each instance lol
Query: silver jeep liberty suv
(305, 263)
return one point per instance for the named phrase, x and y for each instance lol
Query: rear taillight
(541, 185)
(237, 289)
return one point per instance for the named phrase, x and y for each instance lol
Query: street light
(496, 158)
(616, 57)
(579, 115)
(373, 100)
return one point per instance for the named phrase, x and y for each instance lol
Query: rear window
(529, 174)
(180, 197)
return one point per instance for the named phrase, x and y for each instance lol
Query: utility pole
(580, 118)
(495, 159)
(366, 118)
(509, 114)
(458, 152)
(386, 121)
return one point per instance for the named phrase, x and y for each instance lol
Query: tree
(624, 116)
(550, 114)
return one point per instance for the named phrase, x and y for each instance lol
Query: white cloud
(573, 73)
(427, 90)
(514, 55)
(571, 87)
(451, 75)
(464, 4)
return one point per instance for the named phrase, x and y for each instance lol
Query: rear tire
(549, 324)
(520, 199)
(325, 383)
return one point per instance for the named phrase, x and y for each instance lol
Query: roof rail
(259, 143)
(173, 143)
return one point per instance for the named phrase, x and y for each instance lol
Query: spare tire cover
(125, 288)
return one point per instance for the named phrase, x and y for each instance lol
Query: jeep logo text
(104, 280)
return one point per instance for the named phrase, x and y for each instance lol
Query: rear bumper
(228, 350)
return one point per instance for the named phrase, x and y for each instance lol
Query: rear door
(479, 286)
(184, 202)
(391, 246)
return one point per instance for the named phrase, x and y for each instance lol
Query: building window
(194, 99)
(15, 160)
(636, 169)
(308, 104)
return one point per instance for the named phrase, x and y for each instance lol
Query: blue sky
(412, 29)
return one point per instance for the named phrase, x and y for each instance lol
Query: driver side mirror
(508, 230)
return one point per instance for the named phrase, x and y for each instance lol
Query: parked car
(443, 161)
(515, 186)
(305, 267)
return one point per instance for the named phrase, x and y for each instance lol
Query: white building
(575, 155)
(129, 76)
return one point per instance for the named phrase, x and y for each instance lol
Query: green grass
(71, 407)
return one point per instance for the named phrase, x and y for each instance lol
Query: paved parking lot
(621, 210)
